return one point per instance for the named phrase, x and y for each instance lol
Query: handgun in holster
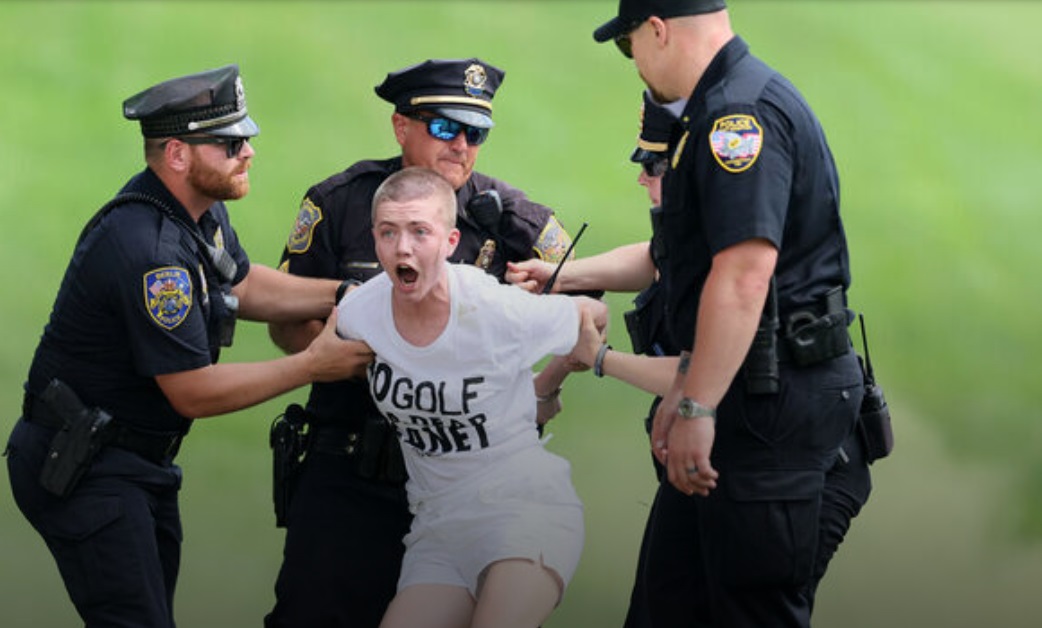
(76, 443)
(288, 440)
(874, 427)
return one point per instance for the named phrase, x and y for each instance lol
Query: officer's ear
(660, 29)
(399, 122)
(176, 155)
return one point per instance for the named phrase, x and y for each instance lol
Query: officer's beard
(216, 184)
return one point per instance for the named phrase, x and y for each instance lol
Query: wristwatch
(688, 408)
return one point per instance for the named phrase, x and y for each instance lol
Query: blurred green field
(931, 111)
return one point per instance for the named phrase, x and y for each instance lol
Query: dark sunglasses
(622, 40)
(655, 167)
(232, 145)
(447, 130)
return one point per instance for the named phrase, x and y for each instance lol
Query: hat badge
(240, 94)
(474, 78)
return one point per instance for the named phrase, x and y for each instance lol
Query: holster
(288, 439)
(816, 336)
(75, 444)
(380, 455)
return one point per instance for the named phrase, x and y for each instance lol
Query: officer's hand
(683, 445)
(332, 358)
(689, 443)
(531, 275)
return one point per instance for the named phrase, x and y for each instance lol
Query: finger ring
(692, 470)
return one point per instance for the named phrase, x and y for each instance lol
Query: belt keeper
(598, 362)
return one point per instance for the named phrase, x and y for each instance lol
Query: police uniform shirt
(751, 162)
(134, 304)
(332, 237)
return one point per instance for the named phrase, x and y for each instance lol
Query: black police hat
(460, 89)
(656, 127)
(211, 102)
(633, 12)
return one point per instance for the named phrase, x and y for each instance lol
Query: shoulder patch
(168, 295)
(300, 238)
(736, 141)
(553, 242)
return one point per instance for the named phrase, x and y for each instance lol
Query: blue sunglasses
(447, 130)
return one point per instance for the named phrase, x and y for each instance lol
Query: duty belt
(333, 441)
(157, 447)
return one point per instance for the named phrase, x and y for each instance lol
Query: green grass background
(931, 109)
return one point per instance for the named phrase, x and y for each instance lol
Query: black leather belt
(157, 447)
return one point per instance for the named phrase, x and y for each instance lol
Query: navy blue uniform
(752, 163)
(348, 512)
(134, 303)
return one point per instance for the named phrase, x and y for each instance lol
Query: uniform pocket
(766, 532)
(82, 517)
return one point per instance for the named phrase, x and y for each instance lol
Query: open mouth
(406, 274)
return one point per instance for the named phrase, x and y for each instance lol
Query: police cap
(656, 127)
(632, 14)
(211, 102)
(459, 89)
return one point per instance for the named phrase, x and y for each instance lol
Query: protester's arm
(627, 268)
(548, 383)
(222, 388)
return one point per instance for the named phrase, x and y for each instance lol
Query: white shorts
(524, 507)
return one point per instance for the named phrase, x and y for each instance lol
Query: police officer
(129, 356)
(625, 269)
(755, 269)
(348, 514)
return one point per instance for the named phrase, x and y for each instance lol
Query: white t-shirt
(466, 401)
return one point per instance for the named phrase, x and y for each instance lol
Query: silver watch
(688, 408)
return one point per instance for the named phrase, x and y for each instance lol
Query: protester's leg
(430, 606)
(516, 593)
(343, 548)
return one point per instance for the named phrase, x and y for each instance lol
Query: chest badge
(736, 141)
(168, 295)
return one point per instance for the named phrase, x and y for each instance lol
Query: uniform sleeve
(158, 297)
(309, 249)
(532, 223)
(747, 166)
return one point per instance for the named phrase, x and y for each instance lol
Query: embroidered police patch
(553, 242)
(168, 295)
(300, 238)
(736, 141)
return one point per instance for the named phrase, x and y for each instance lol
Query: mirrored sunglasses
(447, 130)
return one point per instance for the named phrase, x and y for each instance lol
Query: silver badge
(474, 79)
